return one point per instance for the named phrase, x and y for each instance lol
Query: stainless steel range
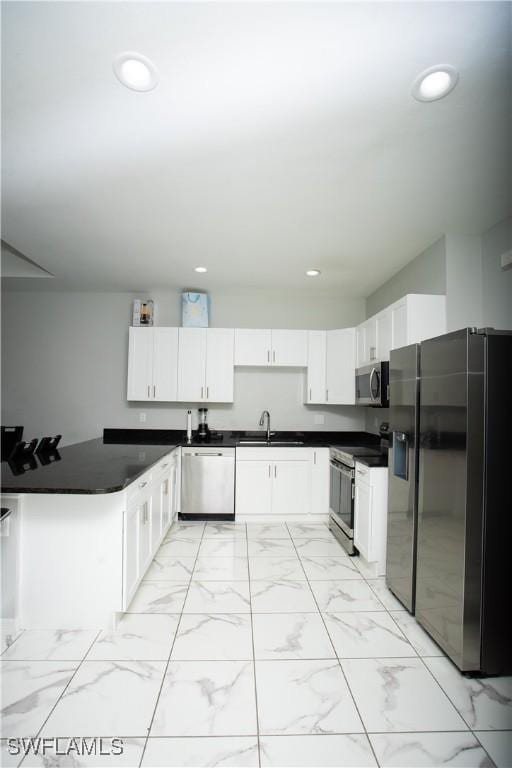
(342, 492)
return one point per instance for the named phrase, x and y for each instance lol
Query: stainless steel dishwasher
(207, 483)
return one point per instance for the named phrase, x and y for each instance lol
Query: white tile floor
(258, 644)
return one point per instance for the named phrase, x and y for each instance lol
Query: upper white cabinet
(205, 365)
(331, 366)
(265, 347)
(410, 320)
(152, 363)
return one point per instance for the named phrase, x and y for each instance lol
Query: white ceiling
(281, 136)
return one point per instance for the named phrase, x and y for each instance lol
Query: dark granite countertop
(111, 463)
(94, 466)
(234, 438)
(374, 461)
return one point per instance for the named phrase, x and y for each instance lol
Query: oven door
(341, 501)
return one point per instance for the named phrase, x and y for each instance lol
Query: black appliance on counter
(203, 430)
(342, 487)
(464, 527)
(372, 384)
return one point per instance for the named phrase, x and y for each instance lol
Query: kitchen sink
(271, 443)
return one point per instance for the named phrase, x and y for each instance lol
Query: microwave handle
(372, 374)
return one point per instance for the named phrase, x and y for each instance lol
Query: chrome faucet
(262, 421)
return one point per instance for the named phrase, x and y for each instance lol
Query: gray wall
(424, 274)
(496, 282)
(65, 362)
(463, 281)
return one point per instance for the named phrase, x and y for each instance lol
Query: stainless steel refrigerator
(403, 473)
(464, 509)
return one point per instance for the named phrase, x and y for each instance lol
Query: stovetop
(348, 454)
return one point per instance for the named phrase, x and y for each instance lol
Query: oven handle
(341, 469)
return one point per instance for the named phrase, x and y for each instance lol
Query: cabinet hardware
(165, 465)
(314, 457)
(269, 471)
(207, 393)
(268, 355)
(141, 485)
(310, 393)
(275, 470)
(201, 393)
(207, 454)
(274, 356)
(353, 491)
(149, 391)
(326, 394)
(154, 390)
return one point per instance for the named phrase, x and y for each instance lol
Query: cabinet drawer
(273, 454)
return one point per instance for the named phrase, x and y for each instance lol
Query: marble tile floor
(254, 645)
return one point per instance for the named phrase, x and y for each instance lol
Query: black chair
(10, 436)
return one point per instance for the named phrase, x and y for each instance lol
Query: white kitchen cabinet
(291, 490)
(152, 363)
(331, 367)
(317, 366)
(219, 365)
(370, 514)
(253, 346)
(273, 481)
(410, 320)
(289, 348)
(205, 365)
(341, 363)
(253, 488)
(320, 481)
(264, 348)
(384, 328)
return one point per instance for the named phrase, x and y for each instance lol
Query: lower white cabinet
(370, 514)
(282, 481)
(150, 509)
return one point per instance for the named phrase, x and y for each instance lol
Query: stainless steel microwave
(372, 385)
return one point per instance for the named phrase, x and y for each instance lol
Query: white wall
(496, 282)
(463, 281)
(65, 358)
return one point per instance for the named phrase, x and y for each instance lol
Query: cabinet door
(341, 364)
(371, 340)
(320, 478)
(290, 348)
(156, 508)
(145, 551)
(291, 488)
(384, 334)
(140, 364)
(191, 364)
(131, 553)
(399, 325)
(362, 519)
(360, 344)
(165, 364)
(253, 488)
(317, 362)
(219, 365)
(253, 346)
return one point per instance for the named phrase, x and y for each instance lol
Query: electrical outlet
(506, 260)
(318, 418)
(142, 417)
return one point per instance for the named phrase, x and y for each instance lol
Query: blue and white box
(194, 309)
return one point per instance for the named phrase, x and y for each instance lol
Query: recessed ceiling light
(200, 269)
(312, 272)
(435, 82)
(135, 71)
